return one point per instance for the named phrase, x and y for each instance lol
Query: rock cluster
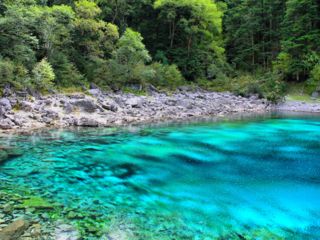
(109, 109)
(28, 223)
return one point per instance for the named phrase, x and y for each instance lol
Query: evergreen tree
(301, 36)
(43, 75)
(253, 32)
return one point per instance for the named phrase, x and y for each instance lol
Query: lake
(254, 178)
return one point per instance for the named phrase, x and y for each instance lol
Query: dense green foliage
(121, 43)
(276, 35)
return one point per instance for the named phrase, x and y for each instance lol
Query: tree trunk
(189, 45)
(173, 31)
(252, 47)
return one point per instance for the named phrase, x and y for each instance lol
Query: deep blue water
(248, 179)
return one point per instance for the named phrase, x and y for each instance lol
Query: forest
(244, 46)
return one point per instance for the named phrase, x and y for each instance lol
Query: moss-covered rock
(37, 203)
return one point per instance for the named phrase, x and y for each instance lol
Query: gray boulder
(135, 102)
(5, 103)
(77, 96)
(315, 94)
(50, 114)
(69, 121)
(17, 119)
(86, 105)
(22, 94)
(7, 91)
(171, 102)
(109, 105)
(2, 112)
(6, 124)
(152, 89)
(87, 122)
(93, 86)
(26, 106)
(68, 108)
(95, 92)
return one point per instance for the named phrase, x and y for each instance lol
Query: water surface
(249, 179)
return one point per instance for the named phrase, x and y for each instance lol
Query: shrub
(272, 86)
(6, 72)
(66, 73)
(283, 63)
(142, 74)
(21, 77)
(267, 85)
(315, 73)
(13, 74)
(313, 83)
(166, 76)
(43, 75)
(246, 85)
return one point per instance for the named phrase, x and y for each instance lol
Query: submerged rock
(14, 230)
(66, 232)
(14, 152)
(119, 234)
(3, 156)
(124, 170)
(7, 153)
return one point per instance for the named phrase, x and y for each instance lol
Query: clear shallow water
(240, 180)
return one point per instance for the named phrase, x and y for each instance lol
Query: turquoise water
(248, 179)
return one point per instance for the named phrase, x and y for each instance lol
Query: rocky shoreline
(104, 109)
(298, 106)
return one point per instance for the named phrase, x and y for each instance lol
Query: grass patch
(301, 98)
(298, 92)
(70, 90)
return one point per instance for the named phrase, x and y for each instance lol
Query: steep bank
(109, 109)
